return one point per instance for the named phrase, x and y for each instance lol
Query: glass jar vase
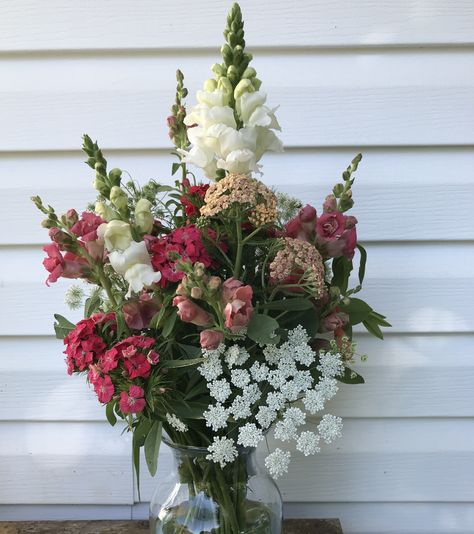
(200, 497)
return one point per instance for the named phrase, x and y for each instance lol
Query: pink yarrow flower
(133, 401)
(237, 300)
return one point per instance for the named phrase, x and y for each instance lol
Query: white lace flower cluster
(222, 138)
(261, 394)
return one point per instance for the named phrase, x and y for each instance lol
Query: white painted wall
(393, 79)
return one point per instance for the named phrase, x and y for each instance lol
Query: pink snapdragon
(139, 312)
(302, 226)
(67, 266)
(237, 300)
(210, 339)
(335, 321)
(133, 401)
(189, 312)
(86, 226)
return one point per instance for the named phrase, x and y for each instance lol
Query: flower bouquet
(216, 312)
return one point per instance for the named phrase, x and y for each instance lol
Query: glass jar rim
(199, 450)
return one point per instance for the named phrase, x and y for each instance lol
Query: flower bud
(224, 85)
(214, 283)
(196, 292)
(104, 211)
(330, 204)
(46, 223)
(115, 175)
(60, 237)
(218, 70)
(101, 186)
(118, 198)
(256, 83)
(249, 72)
(210, 85)
(143, 216)
(244, 86)
(232, 73)
(338, 189)
(199, 269)
(71, 217)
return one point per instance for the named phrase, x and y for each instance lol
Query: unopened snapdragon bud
(218, 70)
(143, 217)
(224, 85)
(210, 85)
(214, 283)
(101, 186)
(118, 198)
(71, 217)
(115, 175)
(244, 86)
(199, 269)
(196, 292)
(104, 211)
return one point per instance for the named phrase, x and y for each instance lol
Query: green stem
(105, 283)
(238, 256)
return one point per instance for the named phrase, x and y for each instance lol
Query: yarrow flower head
(216, 417)
(330, 428)
(249, 435)
(277, 462)
(308, 443)
(298, 262)
(222, 451)
(254, 198)
(330, 365)
(176, 423)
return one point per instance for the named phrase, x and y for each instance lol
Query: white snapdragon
(134, 265)
(216, 140)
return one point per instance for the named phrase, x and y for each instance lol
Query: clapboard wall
(391, 78)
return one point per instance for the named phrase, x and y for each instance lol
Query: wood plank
(90, 25)
(65, 463)
(399, 116)
(406, 376)
(381, 167)
(386, 212)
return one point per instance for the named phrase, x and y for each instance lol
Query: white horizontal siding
(393, 79)
(146, 24)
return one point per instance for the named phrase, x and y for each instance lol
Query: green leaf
(152, 447)
(261, 329)
(164, 189)
(183, 362)
(341, 269)
(109, 413)
(170, 322)
(290, 304)
(358, 311)
(362, 262)
(350, 377)
(308, 319)
(190, 350)
(174, 168)
(139, 434)
(373, 328)
(62, 326)
(192, 410)
(92, 304)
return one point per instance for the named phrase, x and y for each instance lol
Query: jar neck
(185, 453)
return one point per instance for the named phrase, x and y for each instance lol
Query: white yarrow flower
(330, 428)
(222, 451)
(241, 407)
(285, 430)
(328, 387)
(277, 462)
(313, 401)
(295, 415)
(308, 443)
(265, 416)
(212, 366)
(330, 365)
(176, 423)
(216, 417)
(219, 390)
(240, 377)
(249, 435)
(259, 371)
